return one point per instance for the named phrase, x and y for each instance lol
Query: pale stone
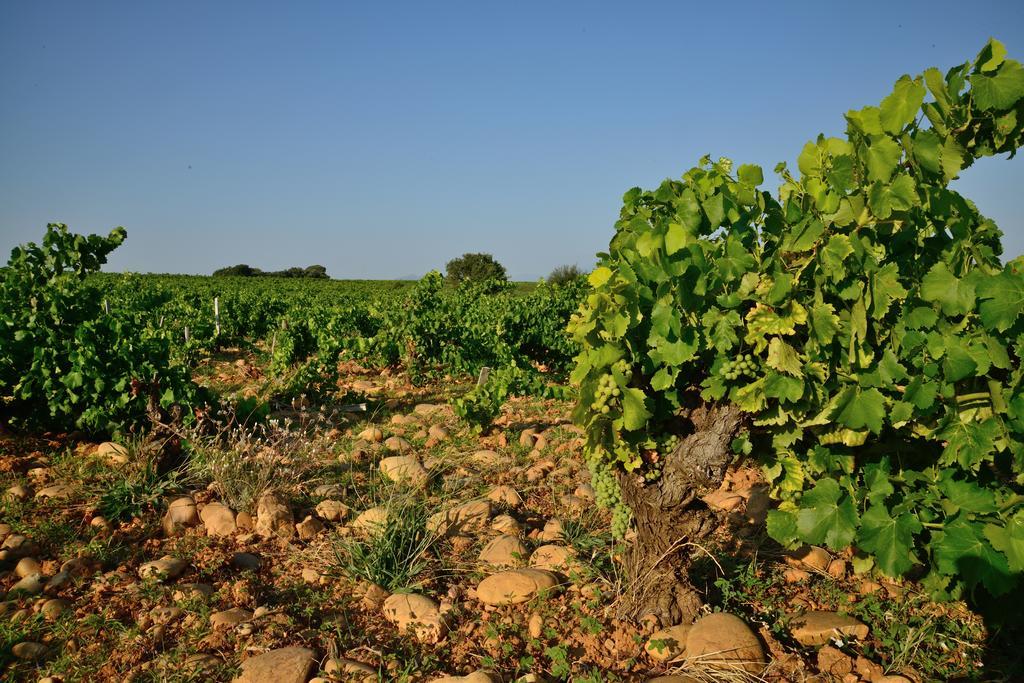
(274, 518)
(372, 520)
(819, 627)
(218, 519)
(489, 458)
(372, 434)
(668, 643)
(504, 551)
(724, 641)
(181, 514)
(471, 516)
(515, 586)
(113, 453)
(285, 665)
(404, 469)
(416, 612)
(166, 568)
(332, 510)
(229, 617)
(505, 495)
(506, 524)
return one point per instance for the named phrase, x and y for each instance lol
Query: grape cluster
(608, 493)
(607, 390)
(734, 369)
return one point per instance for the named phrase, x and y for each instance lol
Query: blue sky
(382, 139)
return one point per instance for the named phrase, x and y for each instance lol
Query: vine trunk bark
(670, 517)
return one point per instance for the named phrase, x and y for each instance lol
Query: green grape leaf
(827, 515)
(824, 322)
(634, 409)
(961, 548)
(784, 357)
(882, 157)
(1001, 90)
(966, 495)
(834, 254)
(968, 442)
(1009, 540)
(859, 408)
(1002, 298)
(899, 109)
(953, 295)
(751, 174)
(782, 527)
(782, 387)
(889, 539)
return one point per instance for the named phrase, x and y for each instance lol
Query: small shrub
(475, 268)
(139, 488)
(242, 462)
(565, 274)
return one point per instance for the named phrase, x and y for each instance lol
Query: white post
(186, 334)
(216, 313)
(485, 374)
(106, 306)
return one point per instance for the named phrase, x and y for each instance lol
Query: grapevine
(861, 322)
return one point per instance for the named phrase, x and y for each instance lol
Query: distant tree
(241, 270)
(563, 275)
(475, 267)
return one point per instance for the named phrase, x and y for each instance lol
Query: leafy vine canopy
(862, 318)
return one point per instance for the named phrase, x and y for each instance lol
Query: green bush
(65, 363)
(475, 268)
(563, 275)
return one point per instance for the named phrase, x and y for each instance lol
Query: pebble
(229, 617)
(52, 609)
(404, 469)
(29, 651)
(26, 566)
(505, 495)
(308, 528)
(166, 568)
(219, 519)
(819, 627)
(245, 562)
(274, 518)
(468, 517)
(332, 510)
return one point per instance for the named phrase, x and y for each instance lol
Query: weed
(394, 553)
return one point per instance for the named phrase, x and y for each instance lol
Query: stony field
(396, 545)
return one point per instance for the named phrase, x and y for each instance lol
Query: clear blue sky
(382, 139)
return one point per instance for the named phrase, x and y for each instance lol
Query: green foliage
(64, 362)
(480, 406)
(565, 274)
(862, 320)
(133, 496)
(243, 270)
(393, 554)
(475, 268)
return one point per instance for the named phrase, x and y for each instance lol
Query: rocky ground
(397, 545)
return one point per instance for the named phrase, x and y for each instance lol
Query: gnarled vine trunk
(669, 514)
